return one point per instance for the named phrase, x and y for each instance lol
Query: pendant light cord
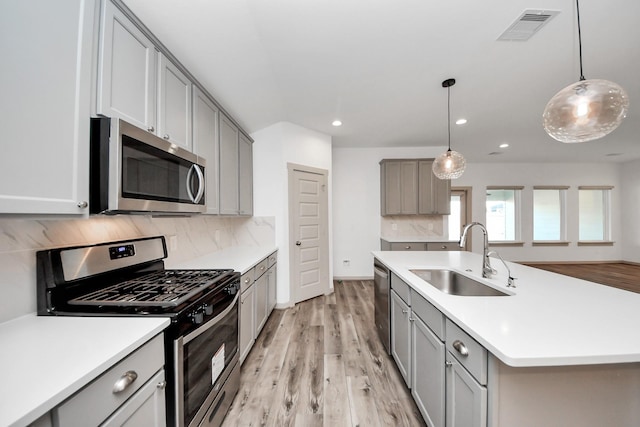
(449, 114)
(579, 39)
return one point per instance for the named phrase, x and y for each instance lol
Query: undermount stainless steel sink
(454, 283)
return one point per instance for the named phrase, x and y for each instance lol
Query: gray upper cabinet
(127, 70)
(47, 52)
(399, 185)
(245, 178)
(434, 196)
(205, 144)
(174, 104)
(408, 187)
(229, 185)
(236, 170)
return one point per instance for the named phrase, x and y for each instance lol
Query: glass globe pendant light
(586, 110)
(450, 164)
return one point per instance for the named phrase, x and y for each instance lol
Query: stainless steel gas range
(128, 278)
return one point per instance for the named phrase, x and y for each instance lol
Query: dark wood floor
(321, 363)
(616, 274)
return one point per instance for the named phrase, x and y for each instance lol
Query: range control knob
(208, 309)
(197, 317)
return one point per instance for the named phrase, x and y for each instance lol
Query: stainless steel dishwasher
(382, 288)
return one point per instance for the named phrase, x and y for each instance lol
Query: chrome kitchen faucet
(487, 270)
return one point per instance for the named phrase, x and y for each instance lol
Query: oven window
(207, 359)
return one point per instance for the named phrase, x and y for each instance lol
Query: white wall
(273, 148)
(357, 220)
(356, 204)
(630, 177)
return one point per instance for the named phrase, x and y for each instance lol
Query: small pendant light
(450, 164)
(586, 110)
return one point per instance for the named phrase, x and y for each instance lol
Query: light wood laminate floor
(321, 363)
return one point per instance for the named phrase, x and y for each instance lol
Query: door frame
(324, 234)
(466, 211)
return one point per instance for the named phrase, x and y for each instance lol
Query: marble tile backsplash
(427, 226)
(20, 239)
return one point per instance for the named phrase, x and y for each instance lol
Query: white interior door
(309, 239)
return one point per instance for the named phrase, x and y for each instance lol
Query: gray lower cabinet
(428, 373)
(247, 321)
(257, 300)
(447, 377)
(140, 402)
(401, 336)
(386, 245)
(466, 399)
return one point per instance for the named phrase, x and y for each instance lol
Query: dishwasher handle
(379, 272)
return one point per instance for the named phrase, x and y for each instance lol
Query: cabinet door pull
(404, 311)
(166, 136)
(408, 247)
(461, 348)
(151, 129)
(125, 381)
(448, 364)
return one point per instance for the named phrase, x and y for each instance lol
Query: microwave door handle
(200, 176)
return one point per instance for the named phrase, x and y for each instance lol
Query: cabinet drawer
(458, 343)
(443, 246)
(413, 246)
(430, 315)
(401, 288)
(247, 280)
(273, 258)
(94, 403)
(261, 268)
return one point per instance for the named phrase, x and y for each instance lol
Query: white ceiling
(378, 66)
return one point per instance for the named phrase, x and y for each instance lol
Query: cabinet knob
(151, 129)
(161, 385)
(443, 247)
(124, 381)
(298, 243)
(408, 247)
(405, 311)
(83, 204)
(448, 364)
(166, 136)
(246, 280)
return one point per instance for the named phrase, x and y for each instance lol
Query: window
(593, 219)
(503, 213)
(455, 216)
(549, 214)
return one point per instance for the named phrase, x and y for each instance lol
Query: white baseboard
(347, 278)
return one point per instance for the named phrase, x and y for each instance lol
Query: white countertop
(45, 359)
(550, 320)
(239, 258)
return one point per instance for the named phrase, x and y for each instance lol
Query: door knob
(298, 243)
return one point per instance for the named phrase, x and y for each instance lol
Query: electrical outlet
(346, 262)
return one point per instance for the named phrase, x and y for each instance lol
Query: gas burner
(166, 288)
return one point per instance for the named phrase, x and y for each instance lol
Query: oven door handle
(211, 322)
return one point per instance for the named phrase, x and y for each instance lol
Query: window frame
(517, 220)
(606, 238)
(562, 241)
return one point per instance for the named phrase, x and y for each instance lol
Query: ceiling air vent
(527, 24)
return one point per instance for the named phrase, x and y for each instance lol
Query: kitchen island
(561, 351)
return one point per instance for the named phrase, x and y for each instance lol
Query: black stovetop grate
(166, 288)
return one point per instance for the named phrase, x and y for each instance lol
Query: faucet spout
(487, 270)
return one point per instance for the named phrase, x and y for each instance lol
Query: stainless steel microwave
(134, 171)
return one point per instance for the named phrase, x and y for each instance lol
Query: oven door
(204, 359)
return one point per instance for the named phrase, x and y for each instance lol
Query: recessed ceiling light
(336, 123)
(495, 153)
(505, 145)
(613, 154)
(461, 121)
